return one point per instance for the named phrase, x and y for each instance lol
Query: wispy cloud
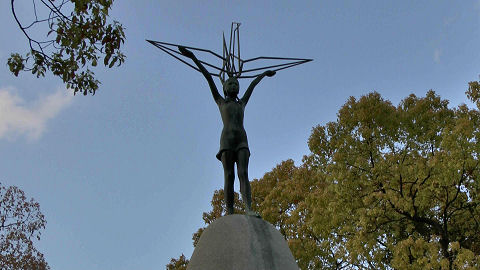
(436, 55)
(19, 118)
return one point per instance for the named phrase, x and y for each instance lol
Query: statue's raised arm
(216, 96)
(248, 93)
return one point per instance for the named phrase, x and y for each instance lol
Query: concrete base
(239, 242)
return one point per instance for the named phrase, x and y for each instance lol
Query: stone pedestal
(239, 242)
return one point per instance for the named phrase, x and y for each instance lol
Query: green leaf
(113, 62)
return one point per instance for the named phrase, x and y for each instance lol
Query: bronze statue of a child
(233, 141)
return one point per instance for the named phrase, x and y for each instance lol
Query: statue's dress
(233, 135)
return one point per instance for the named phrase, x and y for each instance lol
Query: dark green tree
(68, 39)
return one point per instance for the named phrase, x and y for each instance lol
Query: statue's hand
(186, 52)
(270, 73)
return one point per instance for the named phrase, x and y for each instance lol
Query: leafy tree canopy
(384, 187)
(76, 35)
(20, 224)
(178, 264)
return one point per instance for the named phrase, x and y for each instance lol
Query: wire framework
(232, 64)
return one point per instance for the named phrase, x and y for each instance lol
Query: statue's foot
(253, 213)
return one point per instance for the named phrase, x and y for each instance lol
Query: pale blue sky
(124, 176)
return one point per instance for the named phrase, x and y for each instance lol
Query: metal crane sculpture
(232, 64)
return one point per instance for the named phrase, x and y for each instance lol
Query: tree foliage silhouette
(20, 224)
(68, 39)
(178, 264)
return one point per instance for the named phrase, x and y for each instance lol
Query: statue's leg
(228, 161)
(242, 167)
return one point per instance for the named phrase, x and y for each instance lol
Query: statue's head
(231, 87)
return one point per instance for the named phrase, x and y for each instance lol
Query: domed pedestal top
(240, 242)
